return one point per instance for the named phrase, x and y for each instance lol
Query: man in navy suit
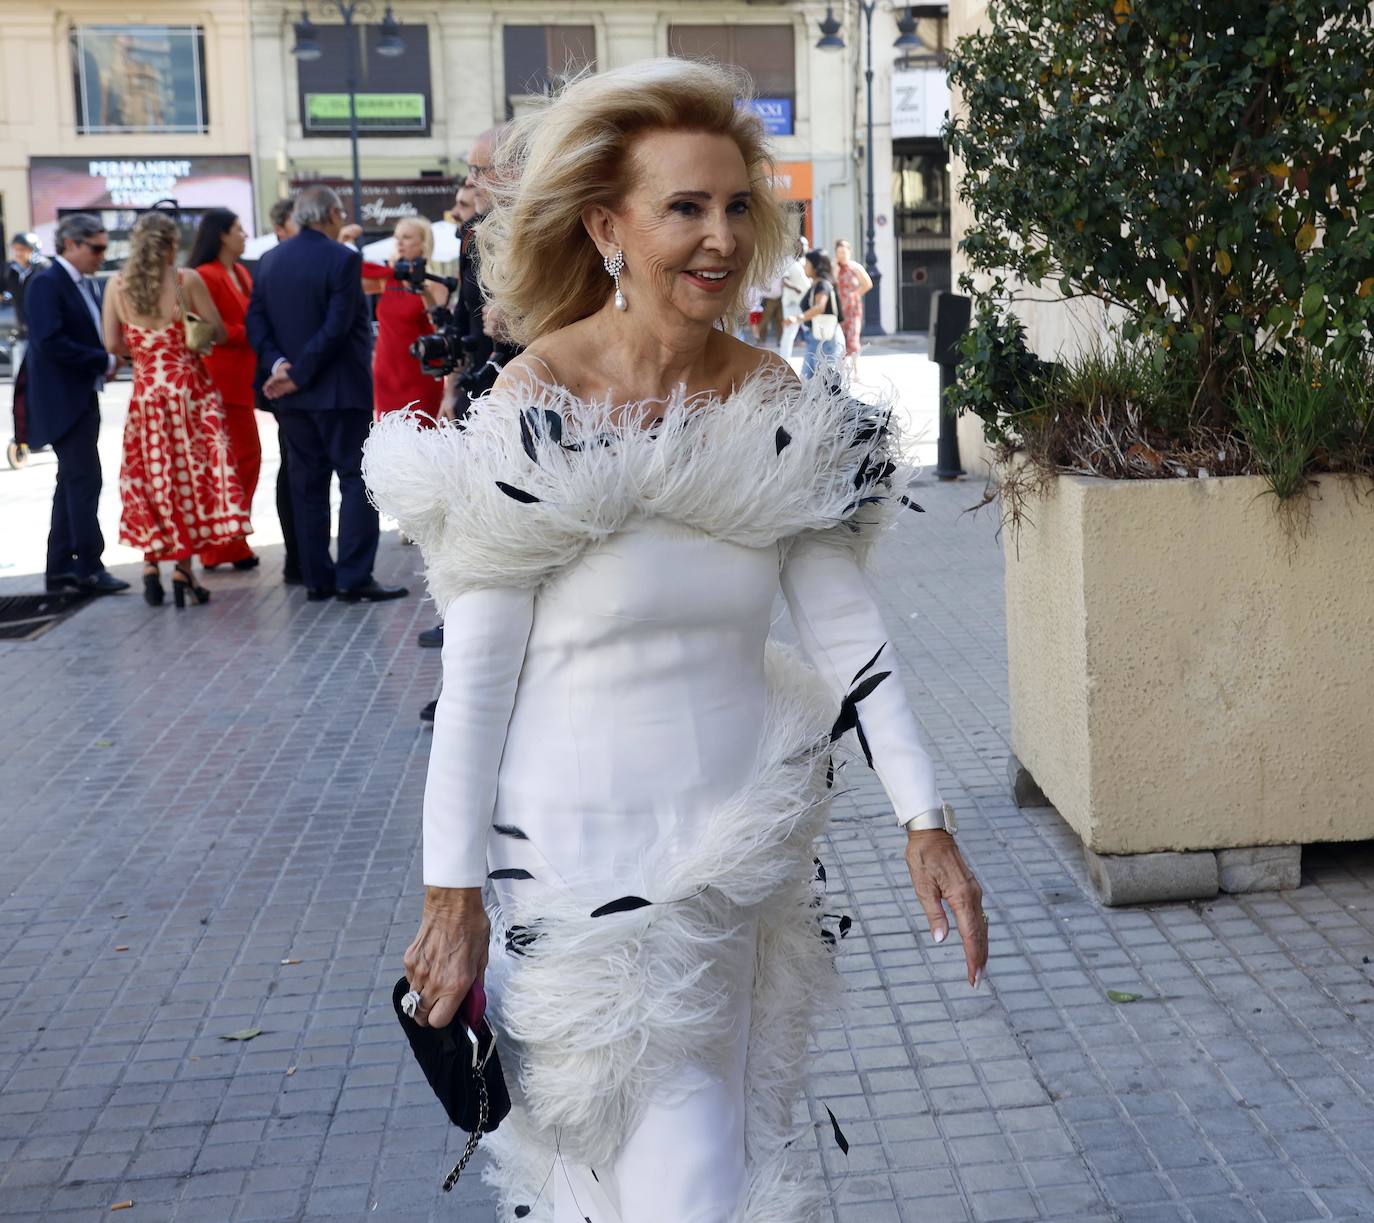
(66, 366)
(309, 323)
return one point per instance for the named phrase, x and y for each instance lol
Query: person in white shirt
(795, 283)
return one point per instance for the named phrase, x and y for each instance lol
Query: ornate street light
(307, 49)
(908, 40)
(907, 37)
(832, 40)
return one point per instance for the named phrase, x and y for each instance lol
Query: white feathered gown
(615, 726)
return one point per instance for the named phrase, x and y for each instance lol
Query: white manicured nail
(941, 935)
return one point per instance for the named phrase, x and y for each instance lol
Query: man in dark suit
(66, 366)
(308, 322)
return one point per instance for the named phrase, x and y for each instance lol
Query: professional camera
(443, 351)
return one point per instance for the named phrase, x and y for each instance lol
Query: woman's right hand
(449, 953)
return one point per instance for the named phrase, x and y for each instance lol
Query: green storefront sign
(392, 112)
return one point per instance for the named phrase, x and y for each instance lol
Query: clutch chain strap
(474, 1138)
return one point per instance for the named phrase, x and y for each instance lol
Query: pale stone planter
(1188, 674)
(975, 455)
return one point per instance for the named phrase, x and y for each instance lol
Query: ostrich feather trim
(598, 1013)
(535, 477)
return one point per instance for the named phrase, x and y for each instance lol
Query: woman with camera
(402, 318)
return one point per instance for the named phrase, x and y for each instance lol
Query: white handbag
(824, 327)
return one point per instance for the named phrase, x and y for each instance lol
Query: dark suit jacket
(66, 356)
(308, 306)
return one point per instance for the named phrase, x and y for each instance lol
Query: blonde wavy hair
(540, 268)
(154, 238)
(425, 229)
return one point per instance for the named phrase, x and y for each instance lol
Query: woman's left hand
(940, 877)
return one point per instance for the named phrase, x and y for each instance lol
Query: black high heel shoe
(248, 562)
(152, 586)
(182, 581)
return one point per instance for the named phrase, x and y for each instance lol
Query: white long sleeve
(485, 636)
(842, 632)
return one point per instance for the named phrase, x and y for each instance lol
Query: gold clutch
(200, 333)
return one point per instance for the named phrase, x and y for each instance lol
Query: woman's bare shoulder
(533, 368)
(746, 361)
(557, 357)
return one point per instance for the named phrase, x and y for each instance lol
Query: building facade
(110, 110)
(205, 103)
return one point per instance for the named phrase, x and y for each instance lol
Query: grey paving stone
(281, 821)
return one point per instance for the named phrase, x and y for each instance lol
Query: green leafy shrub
(1205, 170)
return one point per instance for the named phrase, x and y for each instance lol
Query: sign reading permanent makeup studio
(117, 187)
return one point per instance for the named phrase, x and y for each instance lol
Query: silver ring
(410, 1003)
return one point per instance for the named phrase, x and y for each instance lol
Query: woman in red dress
(215, 255)
(852, 281)
(402, 317)
(180, 490)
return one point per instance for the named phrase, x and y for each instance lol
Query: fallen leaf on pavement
(1116, 995)
(242, 1034)
(110, 743)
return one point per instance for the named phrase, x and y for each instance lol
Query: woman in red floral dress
(852, 281)
(402, 317)
(178, 483)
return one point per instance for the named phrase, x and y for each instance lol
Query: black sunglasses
(98, 247)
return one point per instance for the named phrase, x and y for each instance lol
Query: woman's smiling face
(685, 224)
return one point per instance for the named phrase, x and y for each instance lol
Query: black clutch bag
(463, 1069)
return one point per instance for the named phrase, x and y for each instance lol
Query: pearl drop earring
(615, 264)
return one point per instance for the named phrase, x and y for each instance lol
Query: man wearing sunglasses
(66, 367)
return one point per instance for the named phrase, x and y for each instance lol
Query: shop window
(139, 78)
(539, 58)
(393, 94)
(766, 52)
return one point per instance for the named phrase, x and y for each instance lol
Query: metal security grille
(24, 617)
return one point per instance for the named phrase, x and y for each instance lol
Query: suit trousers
(75, 543)
(321, 444)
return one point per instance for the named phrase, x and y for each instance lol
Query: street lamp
(832, 40)
(307, 49)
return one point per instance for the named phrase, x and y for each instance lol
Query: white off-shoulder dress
(642, 775)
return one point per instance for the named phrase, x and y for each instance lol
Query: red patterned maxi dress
(178, 484)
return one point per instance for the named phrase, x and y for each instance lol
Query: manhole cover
(24, 617)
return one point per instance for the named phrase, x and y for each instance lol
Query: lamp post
(832, 40)
(307, 48)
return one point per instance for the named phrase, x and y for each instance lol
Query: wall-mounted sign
(388, 86)
(124, 184)
(920, 101)
(794, 180)
(377, 112)
(386, 201)
(776, 114)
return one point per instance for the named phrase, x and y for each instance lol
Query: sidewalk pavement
(211, 823)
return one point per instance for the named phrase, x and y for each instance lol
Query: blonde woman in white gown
(618, 748)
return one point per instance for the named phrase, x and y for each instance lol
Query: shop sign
(117, 187)
(793, 180)
(386, 201)
(776, 114)
(386, 112)
(920, 101)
